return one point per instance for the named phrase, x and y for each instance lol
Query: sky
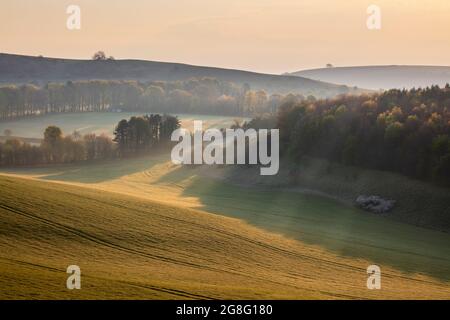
(270, 36)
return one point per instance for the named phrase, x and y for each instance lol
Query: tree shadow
(318, 220)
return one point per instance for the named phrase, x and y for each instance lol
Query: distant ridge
(381, 77)
(25, 69)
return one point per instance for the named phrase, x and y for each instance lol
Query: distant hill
(25, 69)
(381, 77)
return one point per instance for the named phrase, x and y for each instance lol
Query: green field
(312, 221)
(92, 122)
(128, 247)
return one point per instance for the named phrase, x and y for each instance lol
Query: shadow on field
(316, 220)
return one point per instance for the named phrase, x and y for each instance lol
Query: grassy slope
(132, 248)
(336, 228)
(418, 203)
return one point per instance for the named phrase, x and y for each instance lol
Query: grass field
(93, 122)
(129, 247)
(312, 222)
(418, 202)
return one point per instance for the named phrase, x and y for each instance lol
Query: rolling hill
(26, 69)
(381, 77)
(128, 247)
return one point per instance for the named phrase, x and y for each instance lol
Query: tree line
(403, 131)
(131, 137)
(197, 95)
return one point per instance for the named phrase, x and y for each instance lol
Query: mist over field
(382, 77)
(97, 123)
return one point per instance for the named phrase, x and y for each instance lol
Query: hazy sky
(262, 35)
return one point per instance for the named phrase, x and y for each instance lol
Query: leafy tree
(121, 136)
(52, 135)
(52, 143)
(168, 125)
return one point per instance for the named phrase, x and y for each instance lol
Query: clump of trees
(401, 131)
(101, 56)
(133, 136)
(140, 134)
(197, 95)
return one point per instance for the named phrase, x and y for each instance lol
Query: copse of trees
(134, 136)
(401, 131)
(201, 96)
(140, 134)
